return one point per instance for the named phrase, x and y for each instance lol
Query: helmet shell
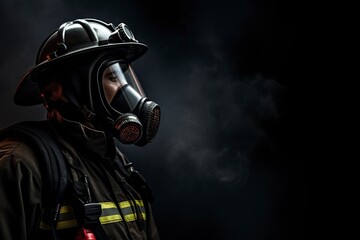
(75, 41)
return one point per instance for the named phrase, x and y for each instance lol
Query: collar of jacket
(78, 134)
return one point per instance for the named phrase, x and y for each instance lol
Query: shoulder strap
(39, 136)
(134, 177)
(137, 181)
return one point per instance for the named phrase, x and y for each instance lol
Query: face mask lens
(113, 80)
(122, 90)
(133, 81)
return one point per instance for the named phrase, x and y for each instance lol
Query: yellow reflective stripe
(110, 219)
(67, 224)
(60, 225)
(133, 217)
(67, 218)
(126, 204)
(139, 202)
(65, 209)
(123, 204)
(106, 205)
(130, 217)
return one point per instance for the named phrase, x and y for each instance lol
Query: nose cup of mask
(129, 128)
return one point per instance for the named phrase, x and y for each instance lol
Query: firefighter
(84, 78)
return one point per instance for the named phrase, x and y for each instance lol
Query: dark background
(233, 78)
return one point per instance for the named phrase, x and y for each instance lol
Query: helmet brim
(28, 91)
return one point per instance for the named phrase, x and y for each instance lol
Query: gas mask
(134, 117)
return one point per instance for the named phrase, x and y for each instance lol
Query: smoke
(216, 125)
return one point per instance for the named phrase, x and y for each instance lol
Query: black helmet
(76, 40)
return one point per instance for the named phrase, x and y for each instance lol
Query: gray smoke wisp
(217, 123)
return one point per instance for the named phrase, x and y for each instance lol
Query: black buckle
(92, 213)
